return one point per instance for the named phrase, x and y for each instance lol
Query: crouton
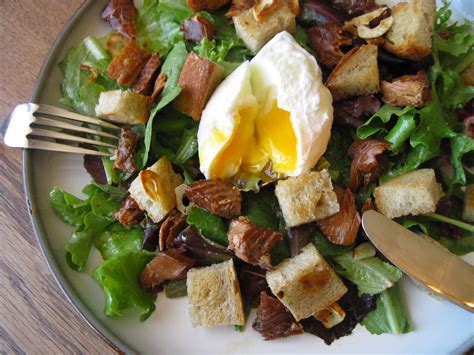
(468, 207)
(412, 193)
(306, 198)
(256, 34)
(214, 296)
(410, 35)
(305, 284)
(153, 189)
(123, 107)
(198, 80)
(356, 74)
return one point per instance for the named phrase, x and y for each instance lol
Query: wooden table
(34, 316)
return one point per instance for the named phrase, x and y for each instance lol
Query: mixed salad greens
(431, 136)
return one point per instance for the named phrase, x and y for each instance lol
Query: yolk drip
(256, 141)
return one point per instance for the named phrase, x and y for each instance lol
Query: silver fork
(28, 122)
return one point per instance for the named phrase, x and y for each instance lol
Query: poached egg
(271, 117)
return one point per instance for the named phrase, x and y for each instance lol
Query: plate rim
(58, 275)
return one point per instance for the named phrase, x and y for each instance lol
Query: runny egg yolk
(256, 140)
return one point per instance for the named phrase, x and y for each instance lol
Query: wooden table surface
(34, 316)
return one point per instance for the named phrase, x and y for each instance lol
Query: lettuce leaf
(371, 275)
(118, 277)
(68, 207)
(176, 288)
(79, 245)
(229, 53)
(430, 227)
(117, 240)
(158, 25)
(172, 68)
(379, 120)
(389, 316)
(326, 248)
(336, 154)
(89, 218)
(81, 87)
(258, 208)
(209, 225)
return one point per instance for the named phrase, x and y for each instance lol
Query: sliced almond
(264, 8)
(150, 181)
(365, 20)
(366, 32)
(368, 17)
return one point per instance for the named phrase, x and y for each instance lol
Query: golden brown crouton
(198, 80)
(256, 34)
(305, 284)
(411, 31)
(214, 296)
(356, 74)
(306, 198)
(123, 107)
(412, 193)
(153, 189)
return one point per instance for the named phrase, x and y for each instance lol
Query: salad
(253, 136)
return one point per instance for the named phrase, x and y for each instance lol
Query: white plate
(440, 327)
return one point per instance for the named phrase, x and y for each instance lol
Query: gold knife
(423, 259)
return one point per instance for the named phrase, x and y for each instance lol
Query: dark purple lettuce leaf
(150, 236)
(252, 282)
(353, 112)
(355, 7)
(300, 236)
(356, 309)
(95, 168)
(317, 12)
(205, 252)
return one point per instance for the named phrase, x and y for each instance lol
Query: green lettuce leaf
(429, 226)
(118, 277)
(68, 207)
(118, 240)
(229, 53)
(258, 208)
(188, 147)
(209, 225)
(389, 316)
(461, 146)
(379, 120)
(172, 68)
(326, 248)
(176, 288)
(79, 245)
(89, 218)
(336, 154)
(158, 25)
(371, 275)
(80, 87)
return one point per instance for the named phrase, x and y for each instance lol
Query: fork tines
(43, 121)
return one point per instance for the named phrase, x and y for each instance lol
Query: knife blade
(423, 259)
